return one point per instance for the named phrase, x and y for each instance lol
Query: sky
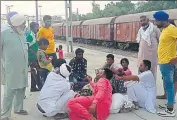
(49, 7)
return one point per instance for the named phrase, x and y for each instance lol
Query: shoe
(34, 90)
(161, 97)
(167, 113)
(22, 112)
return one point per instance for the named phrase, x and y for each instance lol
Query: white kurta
(55, 94)
(144, 91)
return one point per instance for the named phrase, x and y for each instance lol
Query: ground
(95, 60)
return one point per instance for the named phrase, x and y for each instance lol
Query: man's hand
(117, 77)
(173, 61)
(89, 78)
(92, 108)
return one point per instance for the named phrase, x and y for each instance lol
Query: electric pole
(69, 38)
(40, 13)
(77, 14)
(36, 11)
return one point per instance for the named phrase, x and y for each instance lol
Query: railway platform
(95, 60)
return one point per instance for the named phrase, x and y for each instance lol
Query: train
(117, 32)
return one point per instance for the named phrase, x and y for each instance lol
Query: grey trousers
(9, 95)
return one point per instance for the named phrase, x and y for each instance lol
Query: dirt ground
(95, 60)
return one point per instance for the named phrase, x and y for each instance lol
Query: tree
(126, 7)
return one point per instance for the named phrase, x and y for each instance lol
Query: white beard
(20, 30)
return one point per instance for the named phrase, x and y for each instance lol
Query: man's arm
(42, 58)
(128, 78)
(157, 30)
(85, 67)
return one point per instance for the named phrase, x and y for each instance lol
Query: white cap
(17, 20)
(64, 71)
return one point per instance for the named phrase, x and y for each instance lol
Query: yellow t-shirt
(47, 33)
(167, 44)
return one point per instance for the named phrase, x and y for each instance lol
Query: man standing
(148, 38)
(15, 66)
(32, 57)
(167, 59)
(47, 32)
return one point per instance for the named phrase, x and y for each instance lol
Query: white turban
(17, 20)
(64, 71)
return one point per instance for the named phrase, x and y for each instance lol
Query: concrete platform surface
(95, 60)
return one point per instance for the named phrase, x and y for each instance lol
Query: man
(142, 92)
(47, 32)
(110, 62)
(148, 39)
(56, 92)
(15, 63)
(79, 69)
(175, 74)
(32, 57)
(167, 59)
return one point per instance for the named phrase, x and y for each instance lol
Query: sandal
(22, 112)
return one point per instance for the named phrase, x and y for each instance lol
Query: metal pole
(69, 39)
(77, 14)
(40, 14)
(71, 26)
(36, 11)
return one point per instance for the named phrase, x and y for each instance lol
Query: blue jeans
(167, 71)
(43, 75)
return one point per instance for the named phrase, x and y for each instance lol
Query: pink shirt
(60, 54)
(128, 72)
(102, 91)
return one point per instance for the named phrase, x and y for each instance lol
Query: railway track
(104, 49)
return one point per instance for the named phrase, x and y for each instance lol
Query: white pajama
(144, 91)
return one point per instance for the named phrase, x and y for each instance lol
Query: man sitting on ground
(79, 70)
(142, 92)
(56, 92)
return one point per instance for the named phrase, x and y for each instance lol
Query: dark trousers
(43, 75)
(78, 84)
(35, 79)
(54, 58)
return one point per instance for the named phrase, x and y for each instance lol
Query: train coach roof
(136, 17)
(74, 23)
(57, 24)
(106, 20)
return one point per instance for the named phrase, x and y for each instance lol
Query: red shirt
(60, 54)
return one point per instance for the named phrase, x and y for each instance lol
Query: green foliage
(125, 7)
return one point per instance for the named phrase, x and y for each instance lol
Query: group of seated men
(59, 96)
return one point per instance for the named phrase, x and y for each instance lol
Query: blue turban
(161, 16)
(10, 14)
